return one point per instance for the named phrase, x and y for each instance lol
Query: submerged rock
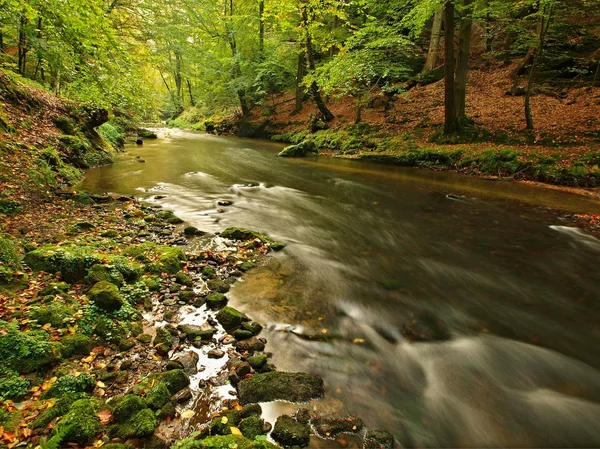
(290, 432)
(378, 439)
(276, 385)
(303, 149)
(331, 427)
(425, 326)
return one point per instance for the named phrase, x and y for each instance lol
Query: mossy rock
(100, 272)
(163, 336)
(111, 234)
(276, 385)
(183, 278)
(251, 427)
(70, 384)
(12, 386)
(253, 327)
(54, 288)
(290, 432)
(9, 260)
(243, 234)
(106, 296)
(191, 230)
(302, 149)
(73, 262)
(218, 285)
(81, 424)
(378, 439)
(54, 314)
(157, 258)
(230, 318)
(140, 425)
(127, 406)
(153, 283)
(221, 425)
(158, 396)
(144, 338)
(208, 271)
(240, 334)
(194, 332)
(246, 266)
(147, 134)
(216, 301)
(175, 381)
(258, 361)
(77, 344)
(224, 442)
(187, 296)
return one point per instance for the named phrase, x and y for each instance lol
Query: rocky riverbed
(117, 333)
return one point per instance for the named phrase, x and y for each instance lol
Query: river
(367, 246)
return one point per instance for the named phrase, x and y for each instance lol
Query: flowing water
(367, 245)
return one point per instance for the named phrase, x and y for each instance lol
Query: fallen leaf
(235, 431)
(188, 414)
(105, 416)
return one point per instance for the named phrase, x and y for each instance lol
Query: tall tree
(450, 117)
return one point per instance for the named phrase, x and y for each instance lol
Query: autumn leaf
(235, 431)
(105, 416)
(188, 414)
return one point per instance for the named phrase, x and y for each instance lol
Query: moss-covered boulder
(106, 296)
(331, 427)
(74, 261)
(216, 301)
(54, 314)
(157, 258)
(158, 396)
(181, 277)
(175, 381)
(302, 149)
(70, 384)
(54, 288)
(253, 327)
(378, 439)
(230, 318)
(77, 344)
(243, 234)
(251, 427)
(168, 216)
(194, 332)
(218, 285)
(100, 272)
(127, 406)
(26, 352)
(290, 432)
(276, 385)
(81, 424)
(140, 425)
(258, 361)
(241, 334)
(9, 260)
(163, 337)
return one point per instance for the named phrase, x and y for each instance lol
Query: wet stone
(215, 354)
(378, 439)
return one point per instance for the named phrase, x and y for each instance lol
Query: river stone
(216, 301)
(192, 331)
(378, 439)
(106, 296)
(425, 326)
(215, 354)
(258, 361)
(182, 396)
(253, 327)
(331, 427)
(230, 318)
(189, 361)
(217, 285)
(250, 345)
(302, 149)
(241, 334)
(276, 385)
(290, 432)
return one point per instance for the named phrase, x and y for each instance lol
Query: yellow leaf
(358, 341)
(101, 392)
(101, 384)
(77, 373)
(235, 431)
(224, 420)
(188, 414)
(46, 326)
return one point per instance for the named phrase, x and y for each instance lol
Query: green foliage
(26, 352)
(70, 385)
(80, 425)
(9, 259)
(10, 206)
(112, 134)
(12, 387)
(56, 314)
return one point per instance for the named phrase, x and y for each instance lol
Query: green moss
(26, 352)
(275, 385)
(253, 327)
(127, 406)
(54, 314)
(100, 272)
(208, 271)
(216, 300)
(114, 135)
(152, 282)
(218, 285)
(65, 124)
(230, 318)
(158, 396)
(77, 344)
(80, 425)
(163, 336)
(158, 258)
(10, 207)
(9, 260)
(258, 361)
(243, 234)
(54, 288)
(290, 432)
(224, 442)
(251, 427)
(74, 261)
(105, 296)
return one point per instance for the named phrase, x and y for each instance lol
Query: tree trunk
(462, 59)
(543, 25)
(299, 77)
(236, 70)
(358, 116)
(22, 43)
(1, 41)
(189, 86)
(261, 28)
(450, 122)
(178, 79)
(433, 53)
(310, 62)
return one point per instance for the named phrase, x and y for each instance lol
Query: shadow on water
(367, 246)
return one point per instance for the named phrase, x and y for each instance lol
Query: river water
(367, 246)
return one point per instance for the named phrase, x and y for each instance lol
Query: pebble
(215, 354)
